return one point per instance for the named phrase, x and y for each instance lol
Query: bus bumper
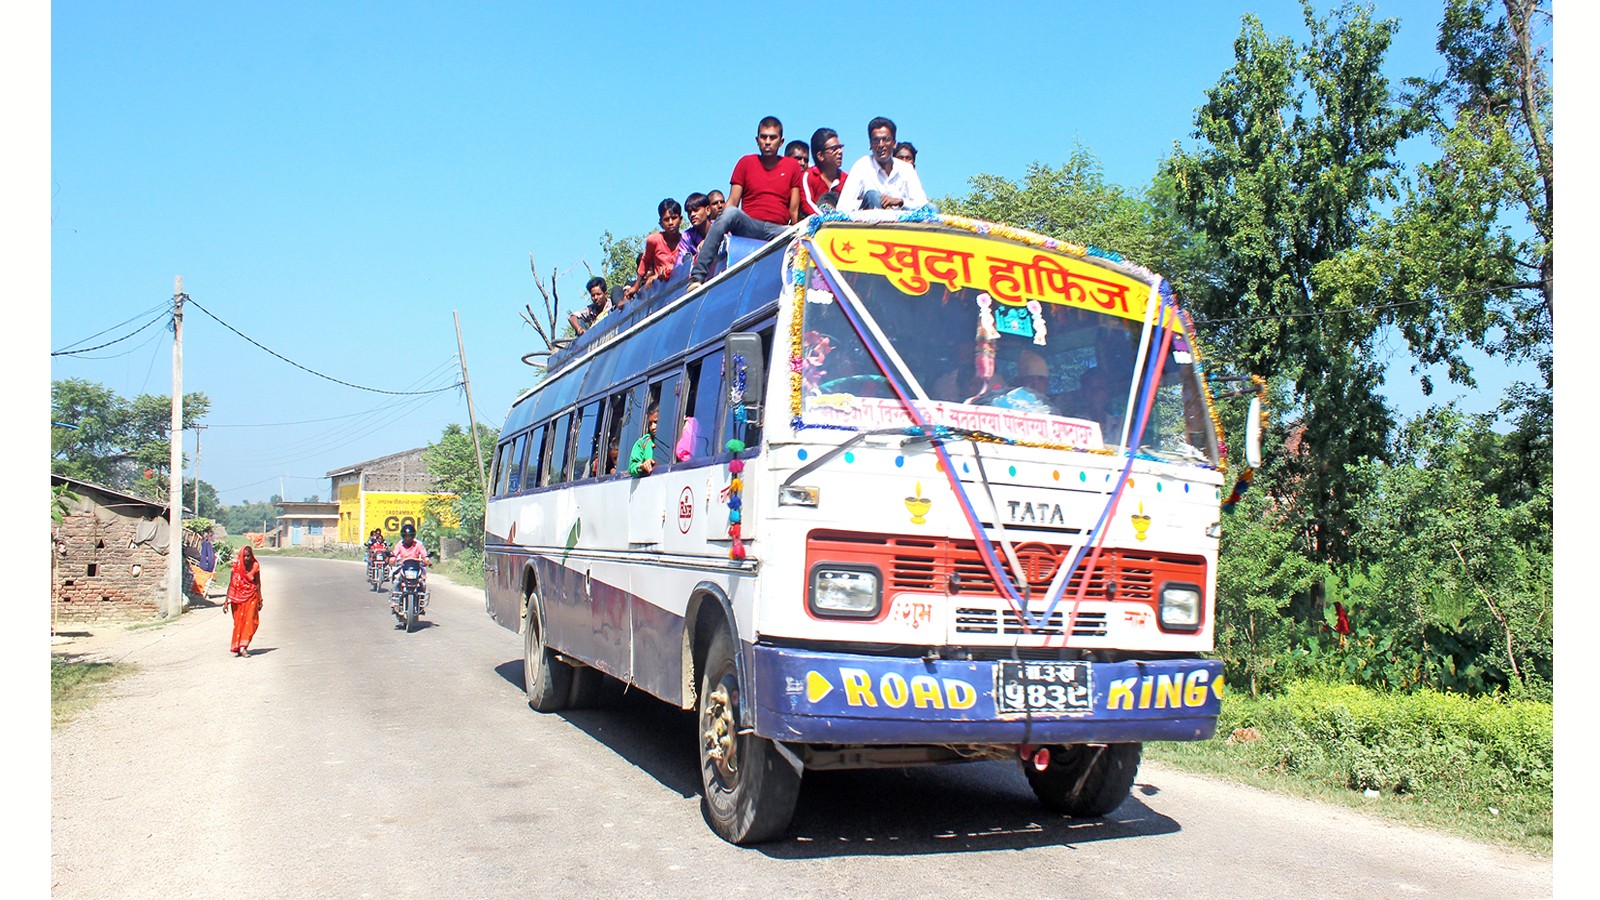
(842, 698)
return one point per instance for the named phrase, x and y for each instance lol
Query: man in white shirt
(878, 180)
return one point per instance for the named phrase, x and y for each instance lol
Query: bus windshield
(1022, 356)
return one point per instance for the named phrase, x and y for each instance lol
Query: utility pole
(197, 430)
(175, 467)
(472, 419)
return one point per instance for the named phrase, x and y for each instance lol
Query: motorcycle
(377, 567)
(409, 595)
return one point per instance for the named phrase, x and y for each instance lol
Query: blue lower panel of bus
(840, 698)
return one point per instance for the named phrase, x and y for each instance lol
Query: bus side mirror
(1252, 435)
(743, 351)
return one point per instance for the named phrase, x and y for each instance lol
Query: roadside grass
(75, 685)
(465, 569)
(1480, 768)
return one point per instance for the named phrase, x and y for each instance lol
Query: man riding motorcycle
(408, 548)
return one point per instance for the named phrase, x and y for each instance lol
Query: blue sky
(334, 180)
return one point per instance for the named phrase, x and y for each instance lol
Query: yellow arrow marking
(817, 687)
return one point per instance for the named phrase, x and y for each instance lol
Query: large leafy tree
(453, 462)
(1296, 152)
(1467, 257)
(1074, 202)
(98, 435)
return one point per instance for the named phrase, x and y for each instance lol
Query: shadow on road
(881, 812)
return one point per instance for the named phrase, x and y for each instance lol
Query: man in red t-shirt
(763, 198)
(826, 177)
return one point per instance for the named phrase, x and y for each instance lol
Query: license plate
(1043, 688)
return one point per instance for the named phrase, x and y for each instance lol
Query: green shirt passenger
(643, 459)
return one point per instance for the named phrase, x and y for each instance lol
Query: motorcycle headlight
(1180, 607)
(845, 591)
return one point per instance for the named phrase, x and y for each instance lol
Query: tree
(1297, 150)
(1472, 237)
(114, 441)
(619, 258)
(248, 516)
(453, 462)
(1074, 202)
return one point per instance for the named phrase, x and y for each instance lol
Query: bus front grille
(972, 620)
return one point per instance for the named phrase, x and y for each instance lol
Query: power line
(108, 343)
(128, 352)
(310, 370)
(162, 306)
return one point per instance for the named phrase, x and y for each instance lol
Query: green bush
(1479, 765)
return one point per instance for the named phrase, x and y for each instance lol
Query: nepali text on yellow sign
(1013, 274)
(391, 510)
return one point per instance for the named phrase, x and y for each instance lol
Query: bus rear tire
(749, 789)
(1085, 780)
(547, 679)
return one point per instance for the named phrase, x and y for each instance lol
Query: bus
(924, 489)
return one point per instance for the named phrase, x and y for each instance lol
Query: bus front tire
(547, 679)
(749, 789)
(1085, 780)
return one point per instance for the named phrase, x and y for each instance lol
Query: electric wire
(119, 340)
(128, 352)
(291, 362)
(159, 307)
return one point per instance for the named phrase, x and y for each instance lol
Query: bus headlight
(1180, 607)
(849, 591)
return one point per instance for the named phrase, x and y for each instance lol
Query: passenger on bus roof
(697, 208)
(906, 152)
(827, 176)
(763, 198)
(660, 248)
(643, 459)
(796, 150)
(878, 180)
(599, 305)
(718, 204)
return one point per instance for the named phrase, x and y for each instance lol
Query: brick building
(109, 559)
(309, 524)
(383, 493)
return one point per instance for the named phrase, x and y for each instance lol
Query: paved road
(348, 759)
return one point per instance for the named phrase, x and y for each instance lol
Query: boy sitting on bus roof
(763, 198)
(660, 248)
(697, 208)
(599, 305)
(826, 177)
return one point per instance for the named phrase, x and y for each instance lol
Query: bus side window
(703, 391)
(514, 469)
(538, 449)
(500, 467)
(586, 449)
(665, 393)
(560, 441)
(632, 425)
(616, 408)
(756, 391)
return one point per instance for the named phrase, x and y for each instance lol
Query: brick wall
(101, 574)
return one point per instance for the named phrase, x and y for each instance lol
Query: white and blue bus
(926, 489)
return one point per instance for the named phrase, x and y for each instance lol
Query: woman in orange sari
(244, 595)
